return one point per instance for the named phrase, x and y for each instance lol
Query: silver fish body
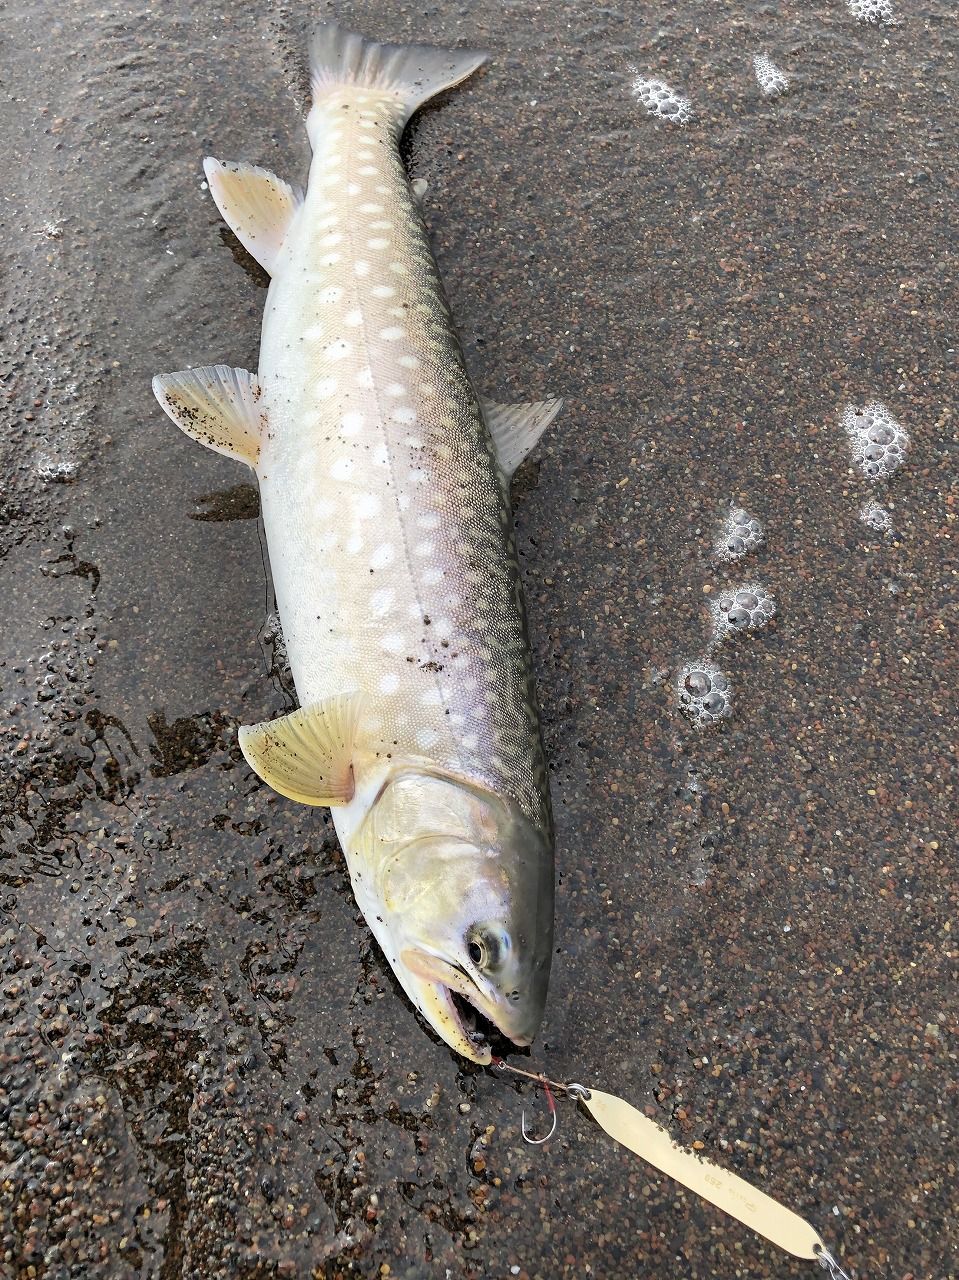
(385, 501)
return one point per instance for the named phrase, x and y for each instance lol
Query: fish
(384, 483)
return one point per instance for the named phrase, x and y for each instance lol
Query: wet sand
(206, 1068)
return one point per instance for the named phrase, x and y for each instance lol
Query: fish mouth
(447, 1003)
(480, 1029)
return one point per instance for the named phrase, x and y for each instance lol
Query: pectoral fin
(256, 204)
(216, 405)
(516, 428)
(307, 755)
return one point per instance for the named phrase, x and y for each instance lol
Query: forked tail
(414, 73)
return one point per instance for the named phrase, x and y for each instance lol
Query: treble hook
(551, 1102)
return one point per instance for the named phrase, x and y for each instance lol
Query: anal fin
(307, 755)
(216, 405)
(516, 428)
(257, 205)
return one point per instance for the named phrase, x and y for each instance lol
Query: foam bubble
(703, 692)
(879, 12)
(875, 516)
(740, 533)
(772, 82)
(662, 101)
(57, 470)
(744, 609)
(877, 441)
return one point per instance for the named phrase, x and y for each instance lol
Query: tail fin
(413, 72)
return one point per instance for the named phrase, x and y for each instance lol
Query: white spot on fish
(404, 414)
(354, 544)
(354, 189)
(408, 362)
(371, 208)
(366, 505)
(393, 643)
(331, 294)
(459, 662)
(367, 170)
(330, 180)
(382, 556)
(389, 683)
(361, 267)
(378, 242)
(432, 576)
(424, 548)
(443, 628)
(398, 268)
(381, 458)
(325, 388)
(470, 741)
(333, 238)
(351, 423)
(394, 389)
(428, 521)
(364, 379)
(353, 318)
(382, 291)
(426, 737)
(330, 220)
(342, 468)
(431, 698)
(381, 601)
(416, 475)
(337, 349)
(383, 224)
(393, 333)
(330, 259)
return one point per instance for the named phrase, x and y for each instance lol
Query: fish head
(460, 884)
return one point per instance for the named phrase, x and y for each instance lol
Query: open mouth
(478, 1028)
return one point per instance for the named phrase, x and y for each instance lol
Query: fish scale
(384, 488)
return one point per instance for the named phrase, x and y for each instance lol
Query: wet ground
(207, 1068)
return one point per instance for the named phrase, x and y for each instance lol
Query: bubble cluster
(744, 609)
(876, 439)
(704, 692)
(740, 534)
(56, 470)
(772, 82)
(875, 516)
(660, 100)
(880, 12)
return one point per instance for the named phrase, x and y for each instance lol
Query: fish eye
(486, 947)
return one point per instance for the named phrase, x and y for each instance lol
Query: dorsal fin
(307, 755)
(516, 428)
(257, 205)
(216, 405)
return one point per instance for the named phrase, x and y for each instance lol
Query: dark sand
(206, 1068)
